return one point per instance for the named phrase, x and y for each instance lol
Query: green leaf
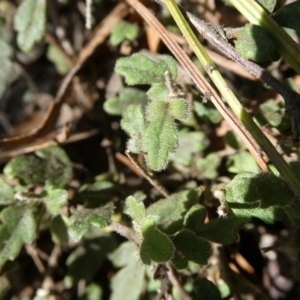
(179, 109)
(123, 31)
(261, 195)
(50, 164)
(85, 261)
(191, 248)
(136, 210)
(205, 290)
(288, 15)
(253, 43)
(7, 193)
(159, 92)
(6, 70)
(59, 229)
(140, 69)
(83, 219)
(58, 59)
(18, 227)
(133, 122)
(118, 105)
(208, 165)
(268, 5)
(207, 111)
(30, 23)
(156, 245)
(92, 292)
(223, 230)
(160, 137)
(132, 271)
(242, 162)
(55, 199)
(271, 112)
(189, 143)
(170, 212)
(195, 217)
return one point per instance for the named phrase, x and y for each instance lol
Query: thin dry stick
(153, 182)
(202, 83)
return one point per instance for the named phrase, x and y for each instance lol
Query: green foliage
(50, 164)
(252, 42)
(272, 113)
(59, 229)
(123, 31)
(208, 112)
(6, 193)
(140, 69)
(17, 227)
(55, 199)
(288, 15)
(157, 136)
(205, 290)
(156, 245)
(90, 254)
(82, 220)
(6, 65)
(170, 212)
(242, 162)
(136, 210)
(58, 59)
(268, 5)
(189, 143)
(128, 96)
(30, 23)
(132, 271)
(207, 166)
(92, 292)
(133, 122)
(261, 195)
(190, 248)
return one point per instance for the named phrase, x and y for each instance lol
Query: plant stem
(231, 99)
(282, 41)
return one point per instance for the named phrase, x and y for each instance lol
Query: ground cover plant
(149, 150)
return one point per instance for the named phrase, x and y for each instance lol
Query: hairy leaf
(208, 165)
(55, 199)
(133, 122)
(136, 210)
(170, 212)
(123, 31)
(118, 105)
(18, 227)
(7, 193)
(268, 5)
(156, 245)
(140, 69)
(83, 219)
(190, 248)
(30, 22)
(242, 162)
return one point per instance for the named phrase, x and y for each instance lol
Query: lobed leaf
(83, 219)
(156, 245)
(140, 69)
(123, 31)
